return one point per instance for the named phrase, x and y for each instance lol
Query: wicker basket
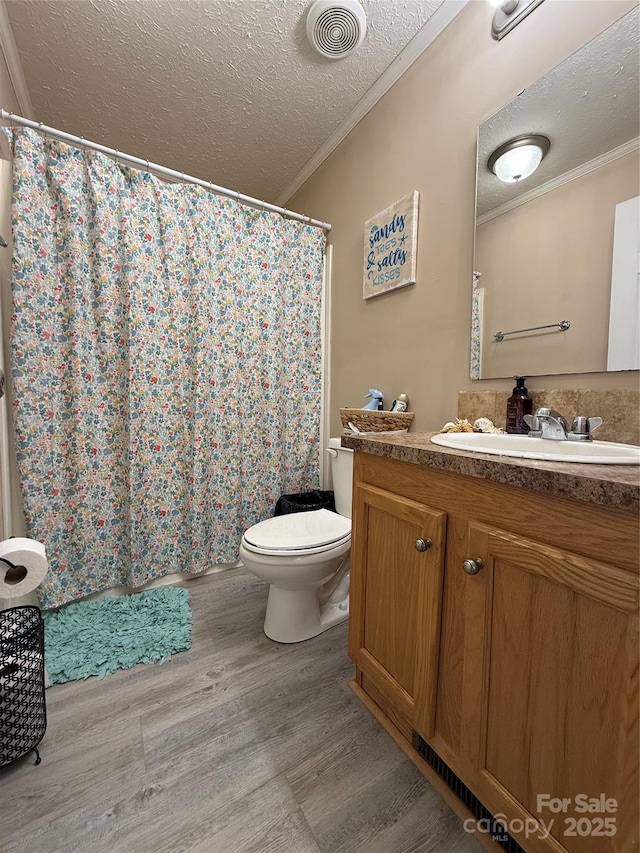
(366, 420)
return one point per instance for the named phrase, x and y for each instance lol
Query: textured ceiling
(226, 90)
(587, 105)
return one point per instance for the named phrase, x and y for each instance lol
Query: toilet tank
(342, 475)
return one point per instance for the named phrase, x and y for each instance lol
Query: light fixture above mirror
(518, 158)
(509, 14)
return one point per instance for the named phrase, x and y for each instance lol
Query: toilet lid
(299, 531)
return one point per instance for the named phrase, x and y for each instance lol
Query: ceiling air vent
(336, 29)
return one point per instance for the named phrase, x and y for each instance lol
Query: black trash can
(305, 501)
(23, 715)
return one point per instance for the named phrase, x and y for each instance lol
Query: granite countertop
(608, 485)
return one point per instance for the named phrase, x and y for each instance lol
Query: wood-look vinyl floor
(240, 745)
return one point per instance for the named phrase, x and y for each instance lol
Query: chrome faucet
(547, 423)
(552, 424)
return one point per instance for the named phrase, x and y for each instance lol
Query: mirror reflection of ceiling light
(509, 14)
(520, 157)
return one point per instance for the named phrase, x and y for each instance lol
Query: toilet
(304, 557)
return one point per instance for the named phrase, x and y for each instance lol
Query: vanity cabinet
(512, 649)
(549, 685)
(398, 546)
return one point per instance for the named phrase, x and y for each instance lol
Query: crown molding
(584, 169)
(14, 66)
(440, 19)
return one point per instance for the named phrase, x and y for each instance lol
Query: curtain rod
(80, 142)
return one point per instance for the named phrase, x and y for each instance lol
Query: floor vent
(472, 803)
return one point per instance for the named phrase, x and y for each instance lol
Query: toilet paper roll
(27, 553)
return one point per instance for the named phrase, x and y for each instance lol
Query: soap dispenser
(519, 404)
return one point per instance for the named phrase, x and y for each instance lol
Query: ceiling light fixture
(509, 14)
(520, 157)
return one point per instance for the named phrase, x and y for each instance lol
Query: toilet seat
(298, 533)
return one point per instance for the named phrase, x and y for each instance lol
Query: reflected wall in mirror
(563, 244)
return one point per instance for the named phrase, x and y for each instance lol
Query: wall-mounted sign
(390, 242)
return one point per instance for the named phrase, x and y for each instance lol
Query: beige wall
(8, 101)
(550, 260)
(422, 135)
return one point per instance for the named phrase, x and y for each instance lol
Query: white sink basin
(548, 450)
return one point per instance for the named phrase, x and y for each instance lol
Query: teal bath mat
(100, 637)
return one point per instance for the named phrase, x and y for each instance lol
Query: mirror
(559, 249)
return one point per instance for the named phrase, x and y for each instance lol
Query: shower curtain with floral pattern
(165, 363)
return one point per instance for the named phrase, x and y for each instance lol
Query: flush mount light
(509, 14)
(520, 157)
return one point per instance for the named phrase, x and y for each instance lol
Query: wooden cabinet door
(395, 598)
(550, 691)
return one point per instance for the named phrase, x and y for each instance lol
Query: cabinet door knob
(472, 567)
(423, 544)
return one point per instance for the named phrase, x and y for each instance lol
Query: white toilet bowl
(305, 559)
